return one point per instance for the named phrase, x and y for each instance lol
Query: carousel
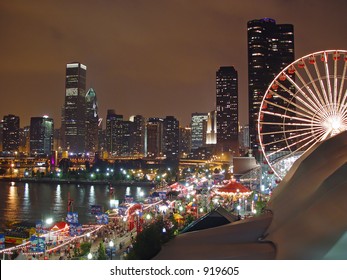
(232, 190)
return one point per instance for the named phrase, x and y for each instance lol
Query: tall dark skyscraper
(270, 49)
(75, 107)
(171, 137)
(154, 139)
(92, 121)
(1, 133)
(10, 135)
(185, 141)
(227, 107)
(124, 138)
(114, 132)
(41, 135)
(138, 129)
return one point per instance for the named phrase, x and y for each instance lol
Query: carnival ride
(305, 104)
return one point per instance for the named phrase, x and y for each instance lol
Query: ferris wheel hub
(335, 123)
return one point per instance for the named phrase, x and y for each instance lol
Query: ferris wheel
(306, 103)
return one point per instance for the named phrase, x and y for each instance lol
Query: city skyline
(141, 59)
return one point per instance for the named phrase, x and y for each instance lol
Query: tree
(148, 242)
(85, 248)
(87, 164)
(64, 165)
(102, 252)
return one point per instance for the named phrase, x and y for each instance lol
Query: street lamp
(49, 221)
(111, 245)
(238, 209)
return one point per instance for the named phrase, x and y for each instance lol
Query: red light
(291, 70)
(301, 64)
(282, 77)
(336, 56)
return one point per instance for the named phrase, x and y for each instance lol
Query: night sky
(154, 58)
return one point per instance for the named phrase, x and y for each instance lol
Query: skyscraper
(113, 132)
(75, 107)
(137, 146)
(244, 139)
(211, 130)
(10, 136)
(171, 137)
(185, 141)
(24, 139)
(270, 49)
(154, 141)
(227, 107)
(1, 133)
(41, 135)
(199, 126)
(92, 121)
(124, 146)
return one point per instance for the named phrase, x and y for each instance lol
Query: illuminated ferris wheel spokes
(306, 103)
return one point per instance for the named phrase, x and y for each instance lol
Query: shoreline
(75, 181)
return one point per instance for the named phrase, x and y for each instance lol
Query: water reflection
(92, 195)
(26, 198)
(34, 200)
(11, 204)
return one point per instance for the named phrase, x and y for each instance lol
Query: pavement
(119, 253)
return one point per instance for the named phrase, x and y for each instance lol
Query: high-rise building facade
(24, 140)
(227, 107)
(124, 147)
(270, 49)
(1, 133)
(41, 135)
(211, 129)
(10, 134)
(92, 121)
(138, 130)
(199, 127)
(75, 108)
(113, 132)
(185, 141)
(154, 137)
(244, 139)
(171, 137)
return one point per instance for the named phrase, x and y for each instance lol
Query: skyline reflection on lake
(38, 201)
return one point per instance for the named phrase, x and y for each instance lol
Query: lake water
(35, 201)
